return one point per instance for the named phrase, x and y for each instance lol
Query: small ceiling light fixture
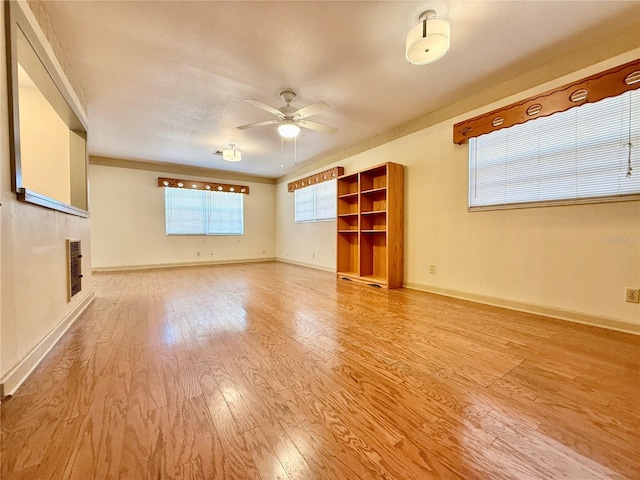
(429, 40)
(288, 129)
(231, 154)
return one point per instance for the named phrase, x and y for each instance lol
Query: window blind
(200, 212)
(225, 213)
(582, 154)
(316, 202)
(326, 200)
(184, 211)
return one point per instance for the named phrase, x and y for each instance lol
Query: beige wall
(128, 224)
(33, 285)
(566, 261)
(78, 170)
(44, 145)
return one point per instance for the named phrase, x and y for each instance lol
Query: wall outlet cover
(633, 295)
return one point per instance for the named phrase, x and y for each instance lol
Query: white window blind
(304, 204)
(200, 212)
(316, 202)
(575, 156)
(326, 200)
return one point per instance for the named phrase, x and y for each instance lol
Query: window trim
(554, 203)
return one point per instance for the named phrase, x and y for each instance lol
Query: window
(316, 202)
(585, 154)
(200, 212)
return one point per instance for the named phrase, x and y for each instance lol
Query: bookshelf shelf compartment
(374, 221)
(348, 222)
(348, 246)
(370, 215)
(375, 201)
(348, 205)
(348, 185)
(374, 178)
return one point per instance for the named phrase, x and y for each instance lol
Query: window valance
(325, 176)
(609, 83)
(199, 185)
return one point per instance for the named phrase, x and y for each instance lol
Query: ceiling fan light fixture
(429, 40)
(288, 129)
(231, 154)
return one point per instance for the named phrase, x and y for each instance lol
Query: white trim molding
(21, 371)
(552, 312)
(119, 268)
(308, 265)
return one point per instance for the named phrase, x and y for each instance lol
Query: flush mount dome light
(429, 40)
(231, 154)
(288, 129)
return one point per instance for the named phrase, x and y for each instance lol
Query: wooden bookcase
(370, 225)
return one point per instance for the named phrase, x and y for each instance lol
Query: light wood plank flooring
(273, 371)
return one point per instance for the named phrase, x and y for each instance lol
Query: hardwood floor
(273, 371)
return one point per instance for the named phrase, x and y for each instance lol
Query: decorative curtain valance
(199, 185)
(325, 176)
(609, 83)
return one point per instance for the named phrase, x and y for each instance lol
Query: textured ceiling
(165, 81)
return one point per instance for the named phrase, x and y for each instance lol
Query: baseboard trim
(558, 313)
(18, 374)
(119, 268)
(302, 264)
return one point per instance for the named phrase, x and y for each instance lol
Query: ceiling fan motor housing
(288, 96)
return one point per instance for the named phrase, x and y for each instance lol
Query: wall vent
(74, 267)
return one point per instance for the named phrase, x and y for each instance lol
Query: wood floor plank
(136, 441)
(16, 454)
(53, 465)
(275, 371)
(266, 461)
(216, 419)
(270, 412)
(85, 448)
(315, 442)
(160, 463)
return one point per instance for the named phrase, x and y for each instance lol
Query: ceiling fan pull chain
(295, 150)
(281, 152)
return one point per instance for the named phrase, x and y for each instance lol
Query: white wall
(565, 260)
(128, 224)
(33, 283)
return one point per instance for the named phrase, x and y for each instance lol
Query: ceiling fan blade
(258, 124)
(309, 110)
(265, 107)
(320, 127)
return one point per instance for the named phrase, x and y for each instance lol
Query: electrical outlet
(633, 295)
(432, 269)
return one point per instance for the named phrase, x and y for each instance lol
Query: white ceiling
(166, 81)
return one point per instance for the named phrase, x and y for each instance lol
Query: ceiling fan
(290, 119)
